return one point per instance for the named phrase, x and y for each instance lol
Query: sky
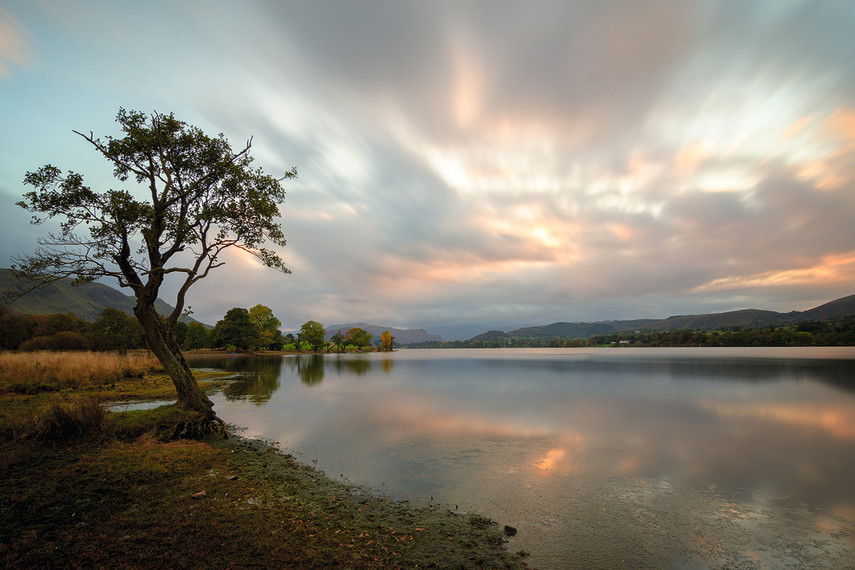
(488, 162)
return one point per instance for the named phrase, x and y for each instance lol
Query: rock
(510, 531)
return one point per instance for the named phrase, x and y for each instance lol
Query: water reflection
(310, 368)
(260, 375)
(523, 439)
(258, 379)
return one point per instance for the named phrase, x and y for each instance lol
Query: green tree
(338, 340)
(312, 333)
(119, 330)
(180, 332)
(15, 329)
(358, 337)
(236, 329)
(267, 325)
(198, 336)
(185, 197)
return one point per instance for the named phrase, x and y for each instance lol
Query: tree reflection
(258, 385)
(311, 369)
(357, 366)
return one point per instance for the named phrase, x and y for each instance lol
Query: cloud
(13, 48)
(492, 160)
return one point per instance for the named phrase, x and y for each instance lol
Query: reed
(69, 420)
(43, 369)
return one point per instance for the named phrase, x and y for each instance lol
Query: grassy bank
(83, 487)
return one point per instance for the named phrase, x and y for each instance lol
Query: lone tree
(185, 198)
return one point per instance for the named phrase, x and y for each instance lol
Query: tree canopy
(267, 325)
(184, 198)
(387, 341)
(357, 337)
(235, 329)
(313, 333)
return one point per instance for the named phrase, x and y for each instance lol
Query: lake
(612, 457)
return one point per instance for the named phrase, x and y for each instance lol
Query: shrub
(64, 340)
(69, 421)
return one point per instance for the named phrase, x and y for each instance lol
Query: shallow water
(602, 457)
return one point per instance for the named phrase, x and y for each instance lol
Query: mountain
(843, 307)
(463, 332)
(456, 332)
(85, 301)
(402, 336)
(744, 317)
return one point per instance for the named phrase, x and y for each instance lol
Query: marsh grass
(42, 371)
(69, 421)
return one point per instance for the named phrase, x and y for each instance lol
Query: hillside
(402, 336)
(85, 301)
(745, 317)
(842, 307)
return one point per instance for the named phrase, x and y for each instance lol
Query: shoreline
(430, 536)
(119, 496)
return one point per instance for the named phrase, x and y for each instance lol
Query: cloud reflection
(681, 420)
(835, 419)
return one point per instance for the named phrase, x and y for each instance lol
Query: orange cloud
(834, 268)
(468, 90)
(690, 157)
(841, 123)
(833, 169)
(798, 126)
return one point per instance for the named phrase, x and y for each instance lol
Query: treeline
(312, 338)
(113, 330)
(240, 329)
(829, 332)
(258, 329)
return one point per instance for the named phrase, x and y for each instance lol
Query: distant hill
(843, 307)
(461, 332)
(402, 336)
(744, 317)
(85, 301)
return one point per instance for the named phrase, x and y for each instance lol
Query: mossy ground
(116, 495)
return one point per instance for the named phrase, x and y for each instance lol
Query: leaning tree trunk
(161, 341)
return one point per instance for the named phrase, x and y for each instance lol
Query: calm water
(601, 457)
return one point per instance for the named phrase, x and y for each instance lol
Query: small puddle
(137, 405)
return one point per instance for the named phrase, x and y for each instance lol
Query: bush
(64, 340)
(69, 421)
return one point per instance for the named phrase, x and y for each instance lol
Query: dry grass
(68, 421)
(39, 370)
